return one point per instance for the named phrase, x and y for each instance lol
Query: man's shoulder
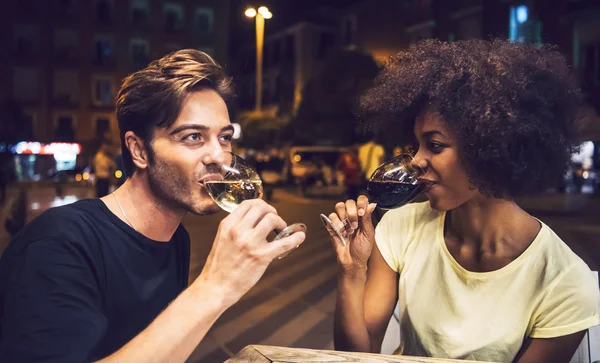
(66, 222)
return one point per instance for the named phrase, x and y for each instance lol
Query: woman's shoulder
(412, 213)
(410, 219)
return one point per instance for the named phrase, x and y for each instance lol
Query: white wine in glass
(237, 181)
(228, 194)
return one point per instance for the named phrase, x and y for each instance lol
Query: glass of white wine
(235, 181)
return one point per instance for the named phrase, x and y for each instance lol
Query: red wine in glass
(391, 194)
(392, 185)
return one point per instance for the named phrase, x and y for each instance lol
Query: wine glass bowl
(392, 185)
(236, 180)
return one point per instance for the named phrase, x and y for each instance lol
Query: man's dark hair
(513, 108)
(153, 97)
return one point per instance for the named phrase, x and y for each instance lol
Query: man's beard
(171, 188)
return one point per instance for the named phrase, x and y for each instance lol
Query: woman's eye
(435, 146)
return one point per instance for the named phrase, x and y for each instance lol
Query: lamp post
(261, 14)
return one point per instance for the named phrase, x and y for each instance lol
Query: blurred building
(382, 28)
(63, 60)
(291, 57)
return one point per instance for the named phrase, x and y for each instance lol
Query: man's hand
(241, 253)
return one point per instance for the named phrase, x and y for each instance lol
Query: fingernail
(373, 205)
(361, 212)
(354, 225)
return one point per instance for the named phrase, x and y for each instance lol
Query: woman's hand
(359, 233)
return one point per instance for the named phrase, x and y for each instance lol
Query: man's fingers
(268, 224)
(281, 246)
(255, 214)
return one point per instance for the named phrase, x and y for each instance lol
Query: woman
(476, 277)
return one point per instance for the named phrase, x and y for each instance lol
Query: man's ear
(136, 148)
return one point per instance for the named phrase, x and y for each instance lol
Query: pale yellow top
(449, 312)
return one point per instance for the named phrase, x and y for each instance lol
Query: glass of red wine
(393, 184)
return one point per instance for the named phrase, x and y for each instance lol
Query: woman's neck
(493, 225)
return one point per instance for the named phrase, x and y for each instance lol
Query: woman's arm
(363, 310)
(550, 350)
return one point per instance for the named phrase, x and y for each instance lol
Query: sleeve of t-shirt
(392, 235)
(52, 306)
(571, 305)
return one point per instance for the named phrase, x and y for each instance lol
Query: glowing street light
(261, 14)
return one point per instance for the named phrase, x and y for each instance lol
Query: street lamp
(261, 14)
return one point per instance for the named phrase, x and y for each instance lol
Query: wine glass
(235, 181)
(392, 185)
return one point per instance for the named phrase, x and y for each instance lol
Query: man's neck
(143, 210)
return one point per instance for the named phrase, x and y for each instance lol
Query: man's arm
(239, 257)
(176, 332)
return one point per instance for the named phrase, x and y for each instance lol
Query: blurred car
(313, 168)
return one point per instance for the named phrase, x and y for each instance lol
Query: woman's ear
(136, 148)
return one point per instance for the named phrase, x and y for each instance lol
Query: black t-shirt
(78, 283)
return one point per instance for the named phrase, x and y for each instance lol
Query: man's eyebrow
(188, 127)
(228, 128)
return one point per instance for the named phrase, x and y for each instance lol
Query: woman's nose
(420, 162)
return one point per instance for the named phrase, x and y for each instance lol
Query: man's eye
(192, 137)
(227, 137)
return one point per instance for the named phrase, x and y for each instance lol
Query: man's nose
(215, 155)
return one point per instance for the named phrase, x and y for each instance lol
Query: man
(371, 155)
(106, 279)
(104, 165)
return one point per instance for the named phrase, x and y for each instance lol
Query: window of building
(64, 128)
(590, 63)
(204, 20)
(27, 7)
(65, 87)
(469, 27)
(140, 13)
(170, 48)
(26, 40)
(66, 8)
(521, 25)
(208, 50)
(276, 51)
(267, 55)
(140, 53)
(104, 46)
(326, 41)
(102, 127)
(289, 51)
(173, 17)
(65, 44)
(104, 9)
(103, 91)
(349, 30)
(26, 84)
